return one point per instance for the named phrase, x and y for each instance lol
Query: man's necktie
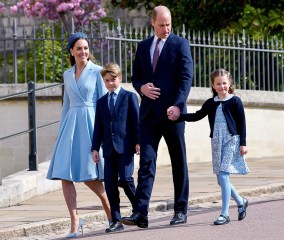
(111, 103)
(156, 54)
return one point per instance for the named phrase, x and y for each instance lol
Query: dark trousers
(151, 132)
(118, 172)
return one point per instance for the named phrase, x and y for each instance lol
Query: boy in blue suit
(116, 129)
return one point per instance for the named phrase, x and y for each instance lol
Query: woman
(72, 158)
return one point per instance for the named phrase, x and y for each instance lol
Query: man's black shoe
(114, 227)
(179, 218)
(136, 219)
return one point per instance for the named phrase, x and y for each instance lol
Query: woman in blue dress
(228, 139)
(72, 158)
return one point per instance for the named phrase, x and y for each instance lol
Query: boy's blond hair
(112, 68)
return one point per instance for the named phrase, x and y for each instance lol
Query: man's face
(162, 25)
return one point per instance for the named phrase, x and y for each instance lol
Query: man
(162, 84)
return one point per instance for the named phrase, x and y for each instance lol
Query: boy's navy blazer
(119, 131)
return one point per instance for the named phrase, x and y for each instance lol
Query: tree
(83, 11)
(258, 17)
(2, 8)
(259, 22)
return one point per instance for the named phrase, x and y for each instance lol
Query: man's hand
(243, 150)
(137, 147)
(96, 156)
(150, 91)
(173, 113)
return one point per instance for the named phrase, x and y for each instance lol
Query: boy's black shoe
(114, 227)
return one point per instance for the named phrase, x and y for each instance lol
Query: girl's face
(221, 86)
(80, 51)
(111, 83)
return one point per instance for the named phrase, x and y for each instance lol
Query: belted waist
(83, 104)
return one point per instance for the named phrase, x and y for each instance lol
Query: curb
(26, 184)
(54, 225)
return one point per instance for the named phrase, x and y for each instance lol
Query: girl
(228, 139)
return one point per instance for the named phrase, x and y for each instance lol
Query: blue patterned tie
(111, 103)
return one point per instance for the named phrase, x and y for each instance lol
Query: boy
(116, 129)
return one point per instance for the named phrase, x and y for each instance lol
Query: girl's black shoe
(222, 220)
(242, 210)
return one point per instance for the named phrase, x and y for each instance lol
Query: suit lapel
(104, 105)
(164, 51)
(166, 47)
(147, 53)
(119, 100)
(85, 75)
(72, 82)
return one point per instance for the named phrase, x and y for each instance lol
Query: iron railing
(32, 126)
(41, 54)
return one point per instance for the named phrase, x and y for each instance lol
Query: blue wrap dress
(72, 156)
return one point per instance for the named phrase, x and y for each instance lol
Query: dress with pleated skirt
(72, 156)
(226, 155)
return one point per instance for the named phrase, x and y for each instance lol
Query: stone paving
(46, 216)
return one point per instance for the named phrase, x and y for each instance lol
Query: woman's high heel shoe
(76, 234)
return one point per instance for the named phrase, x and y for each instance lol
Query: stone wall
(23, 22)
(264, 114)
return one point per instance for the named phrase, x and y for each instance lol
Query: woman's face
(80, 51)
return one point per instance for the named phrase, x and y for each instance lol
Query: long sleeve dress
(227, 131)
(226, 155)
(72, 156)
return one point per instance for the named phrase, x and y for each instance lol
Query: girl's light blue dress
(226, 155)
(72, 156)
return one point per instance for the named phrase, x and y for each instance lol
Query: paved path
(48, 213)
(199, 225)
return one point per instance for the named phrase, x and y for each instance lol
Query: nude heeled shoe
(76, 234)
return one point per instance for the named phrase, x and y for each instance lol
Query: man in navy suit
(162, 75)
(116, 128)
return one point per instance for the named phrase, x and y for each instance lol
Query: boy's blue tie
(111, 103)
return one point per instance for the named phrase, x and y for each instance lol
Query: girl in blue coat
(228, 139)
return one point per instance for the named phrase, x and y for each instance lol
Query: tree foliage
(83, 11)
(258, 17)
(259, 22)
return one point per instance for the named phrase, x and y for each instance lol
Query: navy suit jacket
(119, 131)
(173, 75)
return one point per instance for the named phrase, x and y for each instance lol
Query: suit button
(113, 134)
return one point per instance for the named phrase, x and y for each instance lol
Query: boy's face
(111, 83)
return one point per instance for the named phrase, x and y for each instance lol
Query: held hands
(96, 156)
(150, 91)
(243, 150)
(173, 113)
